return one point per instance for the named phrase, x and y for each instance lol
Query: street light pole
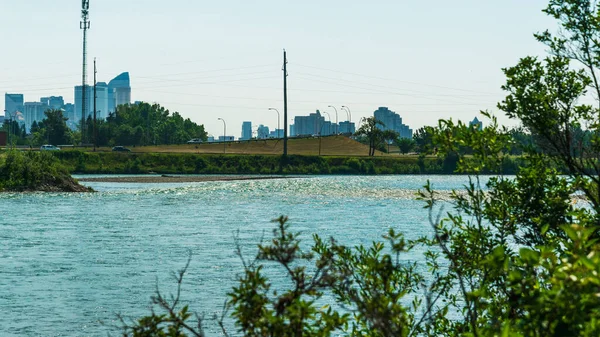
(349, 116)
(336, 118)
(224, 132)
(9, 125)
(321, 130)
(325, 112)
(278, 118)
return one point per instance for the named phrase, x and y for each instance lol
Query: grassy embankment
(186, 163)
(339, 155)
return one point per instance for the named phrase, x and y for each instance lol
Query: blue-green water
(70, 261)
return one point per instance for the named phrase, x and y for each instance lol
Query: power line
(390, 88)
(396, 80)
(385, 92)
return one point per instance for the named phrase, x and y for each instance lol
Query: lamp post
(9, 125)
(336, 118)
(278, 117)
(325, 112)
(224, 132)
(321, 130)
(345, 108)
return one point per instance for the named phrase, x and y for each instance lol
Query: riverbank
(175, 179)
(187, 163)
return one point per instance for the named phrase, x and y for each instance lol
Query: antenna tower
(85, 25)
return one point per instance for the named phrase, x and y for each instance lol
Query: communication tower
(84, 24)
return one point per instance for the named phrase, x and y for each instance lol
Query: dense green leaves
(506, 256)
(35, 171)
(145, 124)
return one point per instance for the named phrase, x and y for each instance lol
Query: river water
(69, 263)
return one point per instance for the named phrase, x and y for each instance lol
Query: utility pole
(85, 25)
(285, 115)
(95, 97)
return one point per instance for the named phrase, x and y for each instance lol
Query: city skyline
(226, 61)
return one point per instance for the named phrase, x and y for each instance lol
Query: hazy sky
(207, 59)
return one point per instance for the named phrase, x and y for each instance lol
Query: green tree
(53, 129)
(423, 138)
(507, 256)
(370, 129)
(405, 145)
(145, 124)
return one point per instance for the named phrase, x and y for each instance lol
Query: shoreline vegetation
(79, 162)
(176, 179)
(36, 172)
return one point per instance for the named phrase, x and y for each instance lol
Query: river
(71, 261)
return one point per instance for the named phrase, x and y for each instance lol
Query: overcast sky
(425, 60)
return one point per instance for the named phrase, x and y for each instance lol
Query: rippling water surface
(71, 261)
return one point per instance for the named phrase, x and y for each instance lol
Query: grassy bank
(185, 163)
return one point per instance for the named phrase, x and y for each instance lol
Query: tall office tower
(56, 102)
(347, 127)
(476, 123)
(246, 131)
(119, 91)
(101, 100)
(309, 125)
(262, 132)
(78, 99)
(13, 103)
(33, 112)
(392, 121)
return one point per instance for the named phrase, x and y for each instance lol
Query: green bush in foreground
(35, 171)
(517, 256)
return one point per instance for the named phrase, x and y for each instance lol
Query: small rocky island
(35, 172)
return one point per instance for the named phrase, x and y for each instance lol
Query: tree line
(131, 125)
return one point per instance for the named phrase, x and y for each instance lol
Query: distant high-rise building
(475, 123)
(33, 112)
(101, 101)
(69, 112)
(309, 125)
(13, 103)
(88, 102)
(392, 121)
(262, 132)
(347, 127)
(119, 91)
(55, 102)
(246, 131)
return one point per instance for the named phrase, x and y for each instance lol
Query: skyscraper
(309, 125)
(262, 132)
(34, 112)
(78, 99)
(101, 101)
(246, 131)
(476, 124)
(392, 121)
(56, 102)
(13, 103)
(119, 91)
